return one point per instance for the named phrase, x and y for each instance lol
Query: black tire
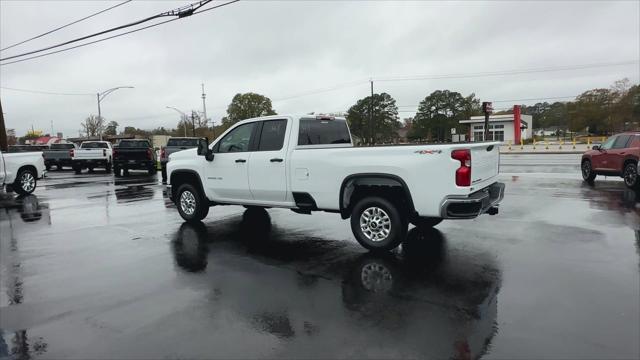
(116, 171)
(197, 200)
(59, 167)
(164, 174)
(151, 171)
(107, 168)
(77, 169)
(630, 175)
(588, 174)
(386, 224)
(26, 182)
(90, 169)
(426, 222)
(47, 166)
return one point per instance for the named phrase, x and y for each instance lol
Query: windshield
(133, 144)
(323, 132)
(95, 145)
(61, 146)
(183, 142)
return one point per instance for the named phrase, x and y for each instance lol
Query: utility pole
(372, 139)
(193, 123)
(487, 108)
(204, 106)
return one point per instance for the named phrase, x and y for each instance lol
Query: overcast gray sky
(287, 48)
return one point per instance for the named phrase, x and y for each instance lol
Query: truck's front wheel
(377, 224)
(191, 205)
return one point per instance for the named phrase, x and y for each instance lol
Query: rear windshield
(323, 132)
(183, 142)
(133, 144)
(61, 146)
(94, 145)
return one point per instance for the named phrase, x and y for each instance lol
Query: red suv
(618, 156)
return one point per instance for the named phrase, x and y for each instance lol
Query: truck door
(227, 175)
(267, 168)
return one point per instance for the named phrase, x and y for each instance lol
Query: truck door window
(272, 135)
(237, 140)
(323, 132)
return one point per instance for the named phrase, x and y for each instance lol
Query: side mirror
(596, 147)
(203, 149)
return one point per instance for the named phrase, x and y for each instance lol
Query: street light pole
(101, 95)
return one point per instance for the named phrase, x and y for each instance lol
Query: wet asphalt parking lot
(97, 267)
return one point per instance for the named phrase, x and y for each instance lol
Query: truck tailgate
(485, 161)
(90, 154)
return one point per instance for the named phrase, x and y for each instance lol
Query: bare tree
(93, 125)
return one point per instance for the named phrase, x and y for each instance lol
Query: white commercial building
(501, 127)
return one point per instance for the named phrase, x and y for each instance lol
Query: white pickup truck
(308, 163)
(92, 154)
(20, 172)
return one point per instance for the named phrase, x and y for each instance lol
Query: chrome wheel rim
(630, 175)
(28, 182)
(188, 203)
(375, 224)
(586, 169)
(376, 277)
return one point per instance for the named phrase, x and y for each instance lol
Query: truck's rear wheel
(77, 169)
(107, 168)
(191, 205)
(25, 182)
(116, 171)
(377, 224)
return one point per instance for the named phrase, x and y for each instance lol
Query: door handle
(241, 160)
(276, 160)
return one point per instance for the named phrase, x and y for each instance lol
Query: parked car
(618, 156)
(59, 155)
(92, 154)
(20, 172)
(134, 154)
(175, 144)
(308, 163)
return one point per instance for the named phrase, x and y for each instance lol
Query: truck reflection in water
(134, 188)
(327, 299)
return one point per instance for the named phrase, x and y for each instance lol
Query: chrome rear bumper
(469, 207)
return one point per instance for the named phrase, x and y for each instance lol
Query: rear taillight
(71, 153)
(114, 153)
(149, 154)
(163, 153)
(104, 152)
(463, 173)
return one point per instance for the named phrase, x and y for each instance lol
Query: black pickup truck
(133, 154)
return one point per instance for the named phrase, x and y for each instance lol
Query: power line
(506, 72)
(179, 13)
(118, 35)
(318, 91)
(66, 25)
(46, 92)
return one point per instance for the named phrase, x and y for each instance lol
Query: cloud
(284, 48)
